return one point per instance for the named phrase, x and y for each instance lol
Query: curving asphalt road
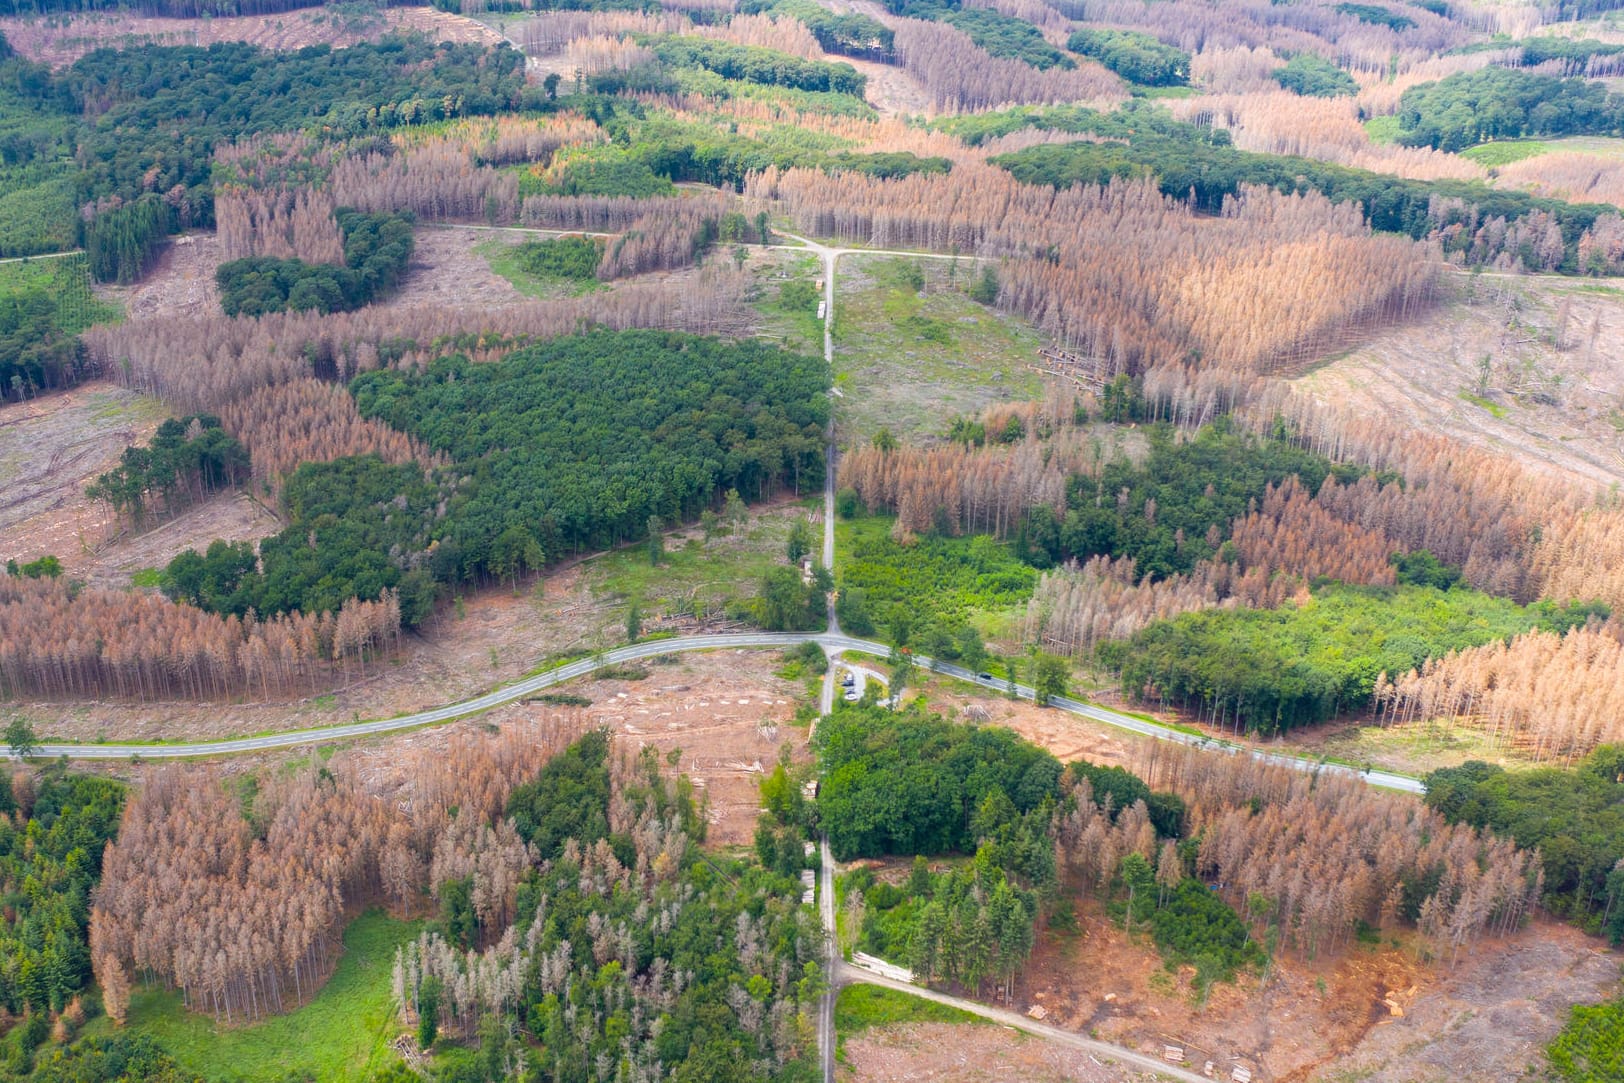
(831, 642)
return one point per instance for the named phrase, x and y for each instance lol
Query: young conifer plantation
(428, 430)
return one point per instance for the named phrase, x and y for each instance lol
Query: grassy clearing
(1416, 748)
(860, 1007)
(1504, 152)
(1164, 93)
(505, 261)
(1382, 130)
(786, 296)
(912, 350)
(1603, 146)
(66, 279)
(696, 574)
(343, 1034)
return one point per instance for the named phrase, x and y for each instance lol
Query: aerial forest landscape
(811, 541)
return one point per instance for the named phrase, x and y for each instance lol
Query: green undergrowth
(913, 350)
(344, 1033)
(1494, 155)
(861, 1007)
(934, 583)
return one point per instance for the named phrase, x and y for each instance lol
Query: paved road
(832, 642)
(847, 974)
(506, 694)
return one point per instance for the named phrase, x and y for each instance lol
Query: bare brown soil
(1491, 1017)
(1560, 396)
(890, 89)
(234, 516)
(445, 269)
(725, 711)
(1101, 981)
(970, 1053)
(59, 40)
(50, 449)
(180, 284)
(1065, 736)
(1367, 1009)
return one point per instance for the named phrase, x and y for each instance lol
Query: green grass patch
(1478, 400)
(695, 574)
(860, 1007)
(1504, 152)
(343, 1034)
(1164, 93)
(147, 577)
(1383, 130)
(916, 350)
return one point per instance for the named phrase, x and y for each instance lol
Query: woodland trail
(848, 974)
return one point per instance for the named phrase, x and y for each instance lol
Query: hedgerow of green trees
(1136, 56)
(1313, 76)
(753, 64)
(850, 34)
(1376, 15)
(1270, 670)
(53, 829)
(377, 248)
(999, 34)
(671, 149)
(1505, 103)
(187, 459)
(1575, 816)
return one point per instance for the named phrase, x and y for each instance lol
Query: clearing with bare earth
(50, 449)
(59, 40)
(1530, 367)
